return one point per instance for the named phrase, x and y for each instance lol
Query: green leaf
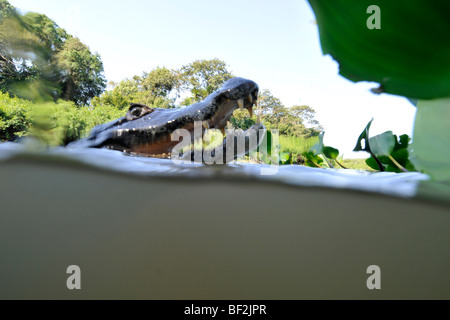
(331, 152)
(328, 152)
(407, 56)
(413, 163)
(312, 160)
(431, 138)
(371, 162)
(392, 153)
(401, 155)
(318, 147)
(404, 141)
(364, 136)
(413, 101)
(285, 158)
(383, 144)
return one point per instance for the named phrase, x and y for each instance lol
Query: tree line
(163, 87)
(37, 56)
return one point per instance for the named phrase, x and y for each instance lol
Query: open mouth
(220, 118)
(216, 116)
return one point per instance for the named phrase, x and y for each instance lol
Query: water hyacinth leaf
(413, 101)
(382, 144)
(364, 136)
(318, 147)
(431, 138)
(402, 47)
(312, 160)
(285, 158)
(331, 152)
(401, 156)
(372, 163)
(403, 141)
(397, 161)
(413, 164)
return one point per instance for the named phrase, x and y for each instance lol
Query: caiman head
(147, 131)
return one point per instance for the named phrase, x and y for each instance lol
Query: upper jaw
(236, 93)
(219, 118)
(215, 111)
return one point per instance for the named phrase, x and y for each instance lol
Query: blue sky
(274, 43)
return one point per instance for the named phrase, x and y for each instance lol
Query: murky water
(213, 232)
(401, 185)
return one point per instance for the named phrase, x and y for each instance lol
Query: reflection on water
(402, 185)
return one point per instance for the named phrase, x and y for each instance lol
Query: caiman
(148, 131)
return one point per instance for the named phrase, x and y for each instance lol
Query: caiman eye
(137, 111)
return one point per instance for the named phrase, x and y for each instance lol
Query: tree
(271, 107)
(122, 94)
(16, 44)
(81, 72)
(51, 36)
(6, 10)
(161, 86)
(307, 114)
(289, 121)
(153, 89)
(159, 82)
(40, 60)
(203, 77)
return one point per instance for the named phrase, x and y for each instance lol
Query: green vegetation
(152, 89)
(40, 60)
(407, 55)
(292, 148)
(15, 117)
(296, 121)
(356, 164)
(52, 123)
(296, 145)
(431, 137)
(161, 87)
(202, 77)
(411, 62)
(328, 153)
(387, 152)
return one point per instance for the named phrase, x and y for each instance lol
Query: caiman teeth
(241, 103)
(250, 111)
(205, 124)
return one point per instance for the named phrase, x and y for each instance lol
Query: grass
(358, 164)
(295, 145)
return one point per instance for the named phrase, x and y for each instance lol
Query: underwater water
(146, 228)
